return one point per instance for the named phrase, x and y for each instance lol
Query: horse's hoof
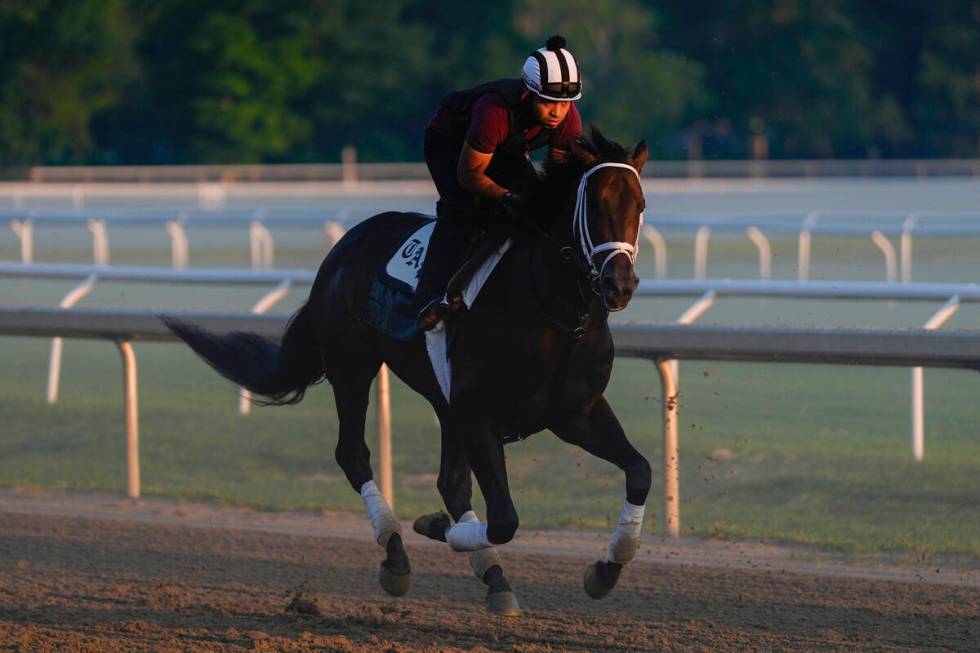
(392, 583)
(433, 526)
(600, 578)
(395, 574)
(503, 603)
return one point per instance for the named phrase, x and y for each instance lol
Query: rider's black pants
(458, 223)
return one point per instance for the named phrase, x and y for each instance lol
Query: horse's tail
(279, 373)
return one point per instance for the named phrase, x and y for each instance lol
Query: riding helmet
(552, 72)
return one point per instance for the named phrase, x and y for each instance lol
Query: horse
(533, 352)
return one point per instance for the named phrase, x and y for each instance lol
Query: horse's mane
(608, 151)
(549, 195)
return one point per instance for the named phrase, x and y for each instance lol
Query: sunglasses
(562, 89)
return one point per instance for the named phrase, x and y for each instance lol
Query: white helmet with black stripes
(552, 72)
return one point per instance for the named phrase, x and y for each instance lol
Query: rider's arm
(471, 174)
(488, 129)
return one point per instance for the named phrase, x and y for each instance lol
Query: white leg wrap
(626, 538)
(483, 559)
(383, 520)
(468, 534)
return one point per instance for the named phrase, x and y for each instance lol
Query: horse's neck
(561, 290)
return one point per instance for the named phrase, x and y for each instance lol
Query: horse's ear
(583, 153)
(640, 154)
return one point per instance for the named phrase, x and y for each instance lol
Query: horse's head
(608, 215)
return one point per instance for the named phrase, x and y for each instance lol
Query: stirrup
(433, 313)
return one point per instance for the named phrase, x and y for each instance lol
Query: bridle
(580, 226)
(586, 261)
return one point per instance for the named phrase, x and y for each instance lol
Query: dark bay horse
(534, 352)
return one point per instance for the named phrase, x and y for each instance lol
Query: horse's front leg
(457, 492)
(597, 431)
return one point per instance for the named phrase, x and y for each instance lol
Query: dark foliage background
(184, 81)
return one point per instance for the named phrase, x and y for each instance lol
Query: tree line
(248, 81)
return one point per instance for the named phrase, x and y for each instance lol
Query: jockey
(476, 149)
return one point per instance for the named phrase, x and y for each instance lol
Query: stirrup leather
(433, 313)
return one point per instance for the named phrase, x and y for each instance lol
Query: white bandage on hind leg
(383, 520)
(483, 559)
(468, 534)
(626, 537)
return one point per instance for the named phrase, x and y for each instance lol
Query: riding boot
(447, 248)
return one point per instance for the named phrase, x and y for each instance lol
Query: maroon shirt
(490, 125)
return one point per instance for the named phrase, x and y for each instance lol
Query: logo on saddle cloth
(406, 264)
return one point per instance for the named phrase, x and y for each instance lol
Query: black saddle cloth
(391, 305)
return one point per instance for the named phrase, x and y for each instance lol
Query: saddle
(487, 242)
(391, 299)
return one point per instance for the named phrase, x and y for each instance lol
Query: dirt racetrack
(92, 574)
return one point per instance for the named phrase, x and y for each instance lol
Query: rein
(579, 329)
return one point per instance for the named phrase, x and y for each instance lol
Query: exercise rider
(477, 150)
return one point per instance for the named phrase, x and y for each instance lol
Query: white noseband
(580, 225)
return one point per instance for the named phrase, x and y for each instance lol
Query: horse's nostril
(617, 289)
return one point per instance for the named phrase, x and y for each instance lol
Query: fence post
(659, 245)
(886, 247)
(384, 436)
(918, 381)
(131, 409)
(24, 230)
(332, 232)
(803, 264)
(348, 165)
(906, 246)
(100, 241)
(264, 304)
(668, 400)
(262, 246)
(670, 382)
(57, 343)
(688, 317)
(179, 251)
(765, 251)
(701, 252)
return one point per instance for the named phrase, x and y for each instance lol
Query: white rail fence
(175, 225)
(881, 228)
(281, 280)
(952, 295)
(660, 343)
(351, 170)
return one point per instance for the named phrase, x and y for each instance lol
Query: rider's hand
(513, 204)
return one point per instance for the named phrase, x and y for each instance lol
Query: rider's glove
(513, 203)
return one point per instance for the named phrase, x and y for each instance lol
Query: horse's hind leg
(351, 392)
(485, 452)
(489, 568)
(456, 488)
